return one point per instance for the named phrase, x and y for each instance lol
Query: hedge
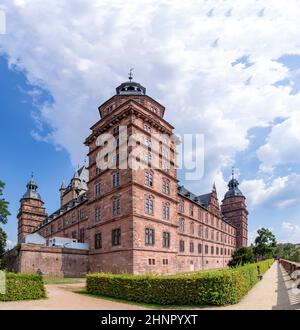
(23, 286)
(220, 287)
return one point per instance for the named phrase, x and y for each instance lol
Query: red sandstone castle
(139, 220)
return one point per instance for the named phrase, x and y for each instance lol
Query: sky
(228, 70)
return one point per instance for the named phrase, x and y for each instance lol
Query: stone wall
(52, 261)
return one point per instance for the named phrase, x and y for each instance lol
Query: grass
(62, 280)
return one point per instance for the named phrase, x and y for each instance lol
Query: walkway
(64, 296)
(274, 291)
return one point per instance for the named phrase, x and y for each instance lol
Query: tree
(242, 256)
(288, 251)
(4, 213)
(3, 238)
(265, 244)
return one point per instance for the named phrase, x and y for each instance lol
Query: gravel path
(62, 296)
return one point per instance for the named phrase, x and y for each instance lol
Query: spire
(130, 87)
(32, 189)
(214, 187)
(130, 74)
(63, 186)
(233, 186)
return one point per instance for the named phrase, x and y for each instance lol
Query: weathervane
(130, 74)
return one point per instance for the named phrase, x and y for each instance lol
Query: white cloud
(9, 244)
(182, 52)
(282, 144)
(279, 192)
(290, 232)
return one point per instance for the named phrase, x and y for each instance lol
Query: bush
(221, 287)
(23, 286)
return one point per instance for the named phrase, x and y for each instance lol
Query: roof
(31, 191)
(233, 189)
(202, 200)
(131, 88)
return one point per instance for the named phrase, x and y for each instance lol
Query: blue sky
(235, 78)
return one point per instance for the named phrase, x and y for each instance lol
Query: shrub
(23, 286)
(223, 287)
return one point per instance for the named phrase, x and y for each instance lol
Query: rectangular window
(181, 225)
(199, 248)
(191, 212)
(149, 236)
(98, 189)
(116, 207)
(166, 212)
(97, 214)
(166, 187)
(81, 214)
(206, 249)
(116, 179)
(181, 246)
(165, 261)
(191, 228)
(81, 235)
(74, 234)
(116, 237)
(149, 205)
(191, 247)
(212, 250)
(217, 251)
(98, 241)
(200, 230)
(166, 239)
(149, 179)
(151, 261)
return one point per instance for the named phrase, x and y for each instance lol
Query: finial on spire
(130, 74)
(31, 174)
(232, 172)
(214, 187)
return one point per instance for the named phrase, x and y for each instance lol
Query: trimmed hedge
(220, 287)
(23, 286)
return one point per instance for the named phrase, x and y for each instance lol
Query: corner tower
(234, 209)
(132, 207)
(31, 211)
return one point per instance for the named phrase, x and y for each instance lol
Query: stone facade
(139, 219)
(52, 261)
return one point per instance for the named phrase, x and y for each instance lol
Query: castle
(138, 220)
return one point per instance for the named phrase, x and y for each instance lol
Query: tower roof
(233, 187)
(131, 87)
(31, 191)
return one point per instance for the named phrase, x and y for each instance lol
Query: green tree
(3, 238)
(4, 213)
(242, 256)
(265, 244)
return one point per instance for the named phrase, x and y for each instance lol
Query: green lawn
(62, 280)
